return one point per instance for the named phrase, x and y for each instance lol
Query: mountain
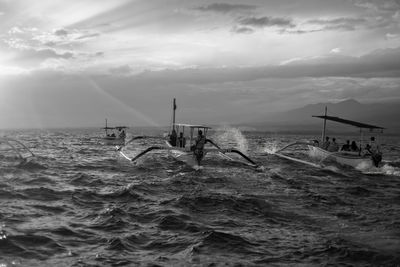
(380, 114)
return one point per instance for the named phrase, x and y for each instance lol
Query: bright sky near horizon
(66, 63)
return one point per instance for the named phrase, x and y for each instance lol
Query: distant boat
(10, 147)
(114, 135)
(186, 148)
(363, 157)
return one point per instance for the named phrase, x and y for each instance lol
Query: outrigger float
(114, 135)
(363, 157)
(188, 149)
(16, 148)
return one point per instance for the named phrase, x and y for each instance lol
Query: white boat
(114, 135)
(361, 158)
(187, 148)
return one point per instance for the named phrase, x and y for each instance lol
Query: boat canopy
(117, 127)
(349, 122)
(191, 125)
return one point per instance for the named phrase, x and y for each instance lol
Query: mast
(173, 114)
(324, 128)
(106, 128)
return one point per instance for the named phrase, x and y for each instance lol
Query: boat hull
(110, 141)
(342, 158)
(185, 156)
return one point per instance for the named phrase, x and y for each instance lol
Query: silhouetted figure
(353, 146)
(122, 135)
(172, 138)
(326, 144)
(198, 147)
(346, 147)
(181, 140)
(333, 146)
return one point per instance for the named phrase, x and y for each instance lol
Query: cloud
(390, 36)
(379, 5)
(347, 24)
(87, 36)
(61, 32)
(261, 22)
(240, 29)
(380, 63)
(225, 8)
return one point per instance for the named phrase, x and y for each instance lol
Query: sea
(78, 202)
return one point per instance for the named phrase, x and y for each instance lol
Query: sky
(73, 63)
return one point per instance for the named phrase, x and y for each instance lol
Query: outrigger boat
(18, 150)
(362, 158)
(114, 135)
(188, 149)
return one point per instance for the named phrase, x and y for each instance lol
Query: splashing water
(233, 137)
(270, 148)
(386, 169)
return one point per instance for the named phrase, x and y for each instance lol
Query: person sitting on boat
(346, 147)
(372, 147)
(172, 138)
(333, 147)
(181, 140)
(122, 135)
(199, 145)
(112, 135)
(353, 146)
(326, 144)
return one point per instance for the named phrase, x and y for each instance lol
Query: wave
(31, 246)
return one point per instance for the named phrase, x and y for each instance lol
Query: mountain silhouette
(301, 120)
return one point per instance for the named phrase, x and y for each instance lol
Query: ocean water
(79, 203)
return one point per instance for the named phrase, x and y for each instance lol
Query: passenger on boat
(172, 138)
(353, 146)
(112, 135)
(181, 140)
(199, 146)
(122, 135)
(326, 144)
(333, 147)
(346, 147)
(374, 150)
(372, 147)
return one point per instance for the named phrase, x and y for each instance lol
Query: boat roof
(117, 127)
(349, 122)
(192, 125)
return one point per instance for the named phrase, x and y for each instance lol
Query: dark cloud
(245, 30)
(61, 32)
(262, 22)
(225, 8)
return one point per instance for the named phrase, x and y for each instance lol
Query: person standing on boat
(374, 150)
(326, 144)
(172, 138)
(199, 146)
(181, 140)
(373, 147)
